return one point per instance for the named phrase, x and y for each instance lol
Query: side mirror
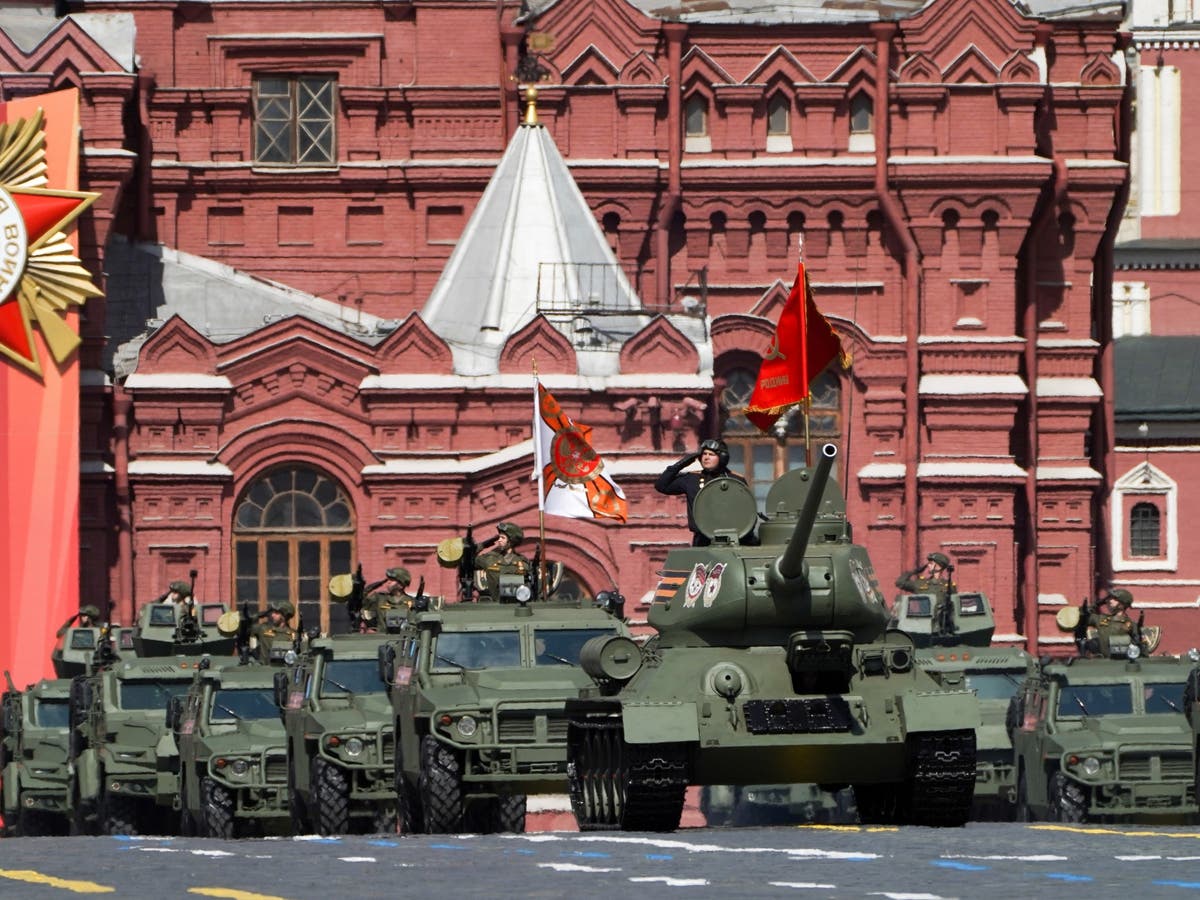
(281, 689)
(387, 663)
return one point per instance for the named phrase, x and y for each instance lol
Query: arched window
(292, 530)
(1144, 530)
(761, 458)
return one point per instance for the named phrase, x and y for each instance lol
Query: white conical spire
(531, 214)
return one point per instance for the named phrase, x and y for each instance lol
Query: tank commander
(932, 576)
(391, 595)
(87, 617)
(713, 456)
(503, 569)
(276, 630)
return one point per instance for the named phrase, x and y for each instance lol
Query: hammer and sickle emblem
(773, 352)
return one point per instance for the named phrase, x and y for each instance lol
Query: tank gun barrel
(791, 562)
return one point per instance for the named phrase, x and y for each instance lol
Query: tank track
(616, 786)
(942, 773)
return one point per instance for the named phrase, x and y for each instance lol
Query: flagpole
(540, 465)
(804, 347)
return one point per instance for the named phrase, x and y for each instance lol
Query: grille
(806, 715)
(521, 728)
(277, 770)
(1142, 766)
(387, 745)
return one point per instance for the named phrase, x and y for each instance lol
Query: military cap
(939, 559)
(283, 606)
(89, 610)
(1122, 596)
(182, 588)
(400, 575)
(513, 532)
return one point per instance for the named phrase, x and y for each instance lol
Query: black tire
(1068, 803)
(1023, 811)
(216, 810)
(330, 794)
(119, 815)
(297, 811)
(509, 814)
(440, 787)
(408, 805)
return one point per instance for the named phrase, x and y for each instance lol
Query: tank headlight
(524, 593)
(467, 725)
(239, 767)
(1133, 651)
(354, 747)
(290, 658)
(1091, 766)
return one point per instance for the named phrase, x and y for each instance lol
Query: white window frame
(1131, 308)
(1144, 480)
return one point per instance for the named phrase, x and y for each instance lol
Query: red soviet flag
(804, 344)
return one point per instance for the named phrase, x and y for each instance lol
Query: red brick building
(272, 394)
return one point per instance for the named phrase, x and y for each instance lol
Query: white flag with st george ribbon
(570, 474)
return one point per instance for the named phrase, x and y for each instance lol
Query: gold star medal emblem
(40, 275)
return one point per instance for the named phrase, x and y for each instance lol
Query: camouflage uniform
(938, 565)
(1108, 621)
(265, 634)
(392, 596)
(505, 561)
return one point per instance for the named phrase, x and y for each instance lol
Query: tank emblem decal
(862, 581)
(712, 587)
(695, 586)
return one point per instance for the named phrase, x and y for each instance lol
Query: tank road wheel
(118, 815)
(596, 771)
(941, 767)
(408, 808)
(331, 796)
(216, 809)
(1024, 813)
(440, 786)
(1067, 800)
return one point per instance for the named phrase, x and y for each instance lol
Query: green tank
(33, 758)
(772, 663)
(953, 631)
(1106, 739)
(339, 737)
(232, 754)
(479, 693)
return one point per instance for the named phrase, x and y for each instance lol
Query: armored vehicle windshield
(149, 694)
(51, 712)
(350, 676)
(234, 704)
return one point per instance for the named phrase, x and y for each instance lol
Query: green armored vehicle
(772, 664)
(33, 758)
(953, 632)
(232, 753)
(479, 691)
(1105, 739)
(124, 762)
(339, 737)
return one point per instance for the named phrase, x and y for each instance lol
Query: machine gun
(242, 646)
(466, 563)
(188, 630)
(354, 603)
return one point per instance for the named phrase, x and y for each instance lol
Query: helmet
(939, 559)
(90, 611)
(1122, 596)
(718, 447)
(182, 588)
(513, 532)
(399, 575)
(283, 606)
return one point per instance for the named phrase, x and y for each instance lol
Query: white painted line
(574, 867)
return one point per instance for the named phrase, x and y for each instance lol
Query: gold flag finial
(531, 105)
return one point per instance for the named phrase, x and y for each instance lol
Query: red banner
(804, 344)
(42, 284)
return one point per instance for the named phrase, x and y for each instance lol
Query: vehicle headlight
(524, 593)
(1133, 651)
(1193, 654)
(290, 658)
(467, 725)
(1091, 766)
(354, 747)
(239, 767)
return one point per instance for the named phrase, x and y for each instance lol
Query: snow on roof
(1067, 473)
(188, 467)
(179, 382)
(1052, 386)
(882, 470)
(969, 470)
(965, 385)
(28, 24)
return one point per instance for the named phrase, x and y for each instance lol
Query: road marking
(960, 866)
(231, 893)
(805, 885)
(671, 882)
(78, 887)
(1080, 829)
(575, 867)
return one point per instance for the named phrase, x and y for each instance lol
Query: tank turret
(772, 662)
